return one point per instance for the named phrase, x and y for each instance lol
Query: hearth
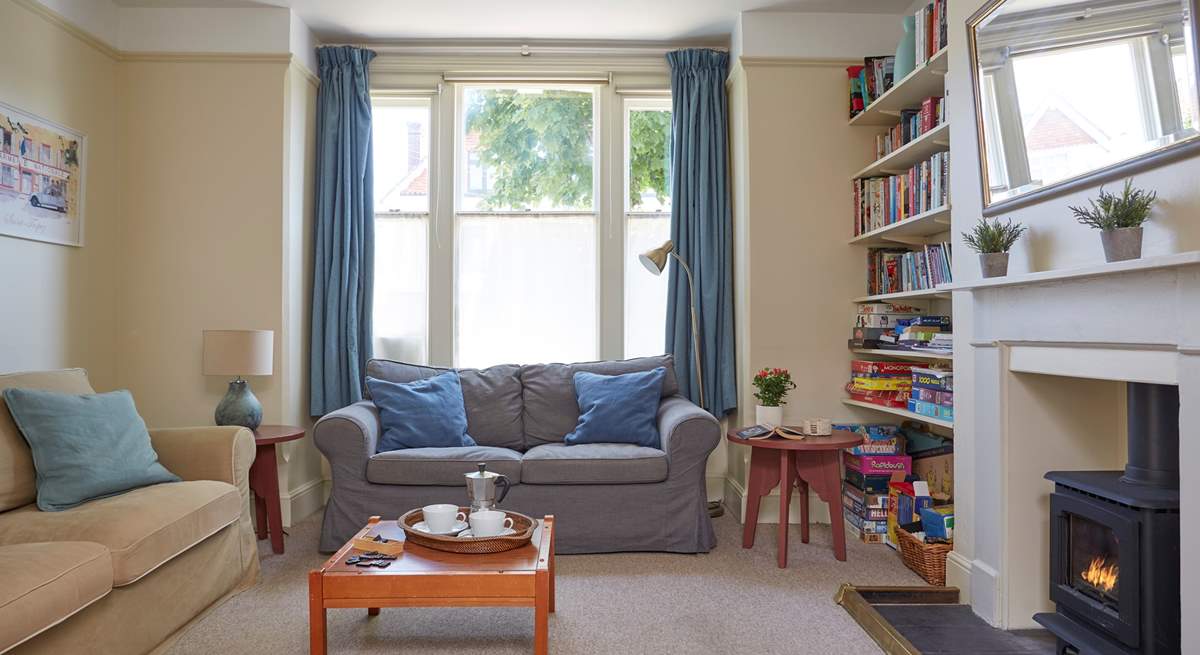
(1114, 541)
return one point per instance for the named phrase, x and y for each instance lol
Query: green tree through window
(538, 151)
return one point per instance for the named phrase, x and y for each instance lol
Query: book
(856, 92)
(877, 464)
(887, 308)
(881, 320)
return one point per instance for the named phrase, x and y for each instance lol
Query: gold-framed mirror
(1071, 94)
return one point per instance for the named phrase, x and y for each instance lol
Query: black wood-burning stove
(1114, 541)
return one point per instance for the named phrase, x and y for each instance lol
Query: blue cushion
(426, 413)
(618, 408)
(84, 446)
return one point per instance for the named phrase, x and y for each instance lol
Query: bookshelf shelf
(936, 292)
(910, 154)
(902, 354)
(912, 230)
(896, 411)
(927, 80)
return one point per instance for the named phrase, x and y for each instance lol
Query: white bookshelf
(915, 231)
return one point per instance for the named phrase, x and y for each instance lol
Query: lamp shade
(239, 352)
(656, 260)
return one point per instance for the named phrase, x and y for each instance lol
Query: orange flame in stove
(1100, 574)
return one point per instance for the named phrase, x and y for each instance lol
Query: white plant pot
(771, 417)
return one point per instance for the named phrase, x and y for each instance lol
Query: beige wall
(58, 303)
(793, 155)
(201, 185)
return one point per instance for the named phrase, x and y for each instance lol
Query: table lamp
(239, 353)
(655, 261)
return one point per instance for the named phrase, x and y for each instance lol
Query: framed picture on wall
(41, 178)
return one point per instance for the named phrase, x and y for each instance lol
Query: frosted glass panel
(401, 289)
(645, 293)
(525, 290)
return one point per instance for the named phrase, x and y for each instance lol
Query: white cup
(489, 523)
(441, 518)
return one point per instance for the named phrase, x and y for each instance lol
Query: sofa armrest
(688, 433)
(349, 436)
(222, 453)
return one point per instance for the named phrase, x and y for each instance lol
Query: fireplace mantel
(1190, 258)
(1089, 327)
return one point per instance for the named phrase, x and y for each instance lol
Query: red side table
(802, 463)
(264, 481)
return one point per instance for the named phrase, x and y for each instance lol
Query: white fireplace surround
(1046, 354)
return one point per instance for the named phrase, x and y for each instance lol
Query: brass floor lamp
(655, 261)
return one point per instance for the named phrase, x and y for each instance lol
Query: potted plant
(773, 385)
(992, 240)
(1119, 219)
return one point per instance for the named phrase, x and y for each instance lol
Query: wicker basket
(522, 525)
(928, 560)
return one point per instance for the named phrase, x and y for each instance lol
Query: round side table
(808, 462)
(264, 481)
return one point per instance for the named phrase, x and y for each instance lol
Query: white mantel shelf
(1190, 258)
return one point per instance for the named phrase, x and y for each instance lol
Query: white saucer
(458, 526)
(466, 534)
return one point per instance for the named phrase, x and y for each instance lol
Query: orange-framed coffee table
(423, 577)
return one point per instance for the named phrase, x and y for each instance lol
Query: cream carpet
(729, 601)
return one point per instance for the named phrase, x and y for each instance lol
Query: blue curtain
(344, 252)
(702, 226)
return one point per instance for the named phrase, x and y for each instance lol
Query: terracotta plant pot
(993, 264)
(1122, 243)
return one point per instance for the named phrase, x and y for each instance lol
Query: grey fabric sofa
(605, 497)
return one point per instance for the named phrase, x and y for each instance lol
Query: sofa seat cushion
(596, 463)
(143, 529)
(442, 467)
(44, 583)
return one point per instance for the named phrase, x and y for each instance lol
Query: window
(509, 218)
(647, 221)
(525, 283)
(401, 148)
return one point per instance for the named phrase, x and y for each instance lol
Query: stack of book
(869, 81)
(892, 270)
(931, 30)
(865, 483)
(883, 200)
(881, 383)
(913, 123)
(931, 393)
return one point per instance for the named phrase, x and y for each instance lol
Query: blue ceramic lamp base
(239, 406)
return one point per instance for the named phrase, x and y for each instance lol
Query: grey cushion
(551, 411)
(597, 463)
(443, 467)
(491, 396)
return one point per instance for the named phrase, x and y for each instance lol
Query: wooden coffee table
(423, 577)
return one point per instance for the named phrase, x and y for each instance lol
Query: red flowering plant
(773, 384)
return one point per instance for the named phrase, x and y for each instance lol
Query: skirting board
(768, 511)
(302, 501)
(958, 574)
(985, 594)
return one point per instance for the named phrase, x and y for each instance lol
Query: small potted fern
(992, 240)
(1119, 219)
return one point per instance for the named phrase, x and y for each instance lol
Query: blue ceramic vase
(239, 406)
(906, 52)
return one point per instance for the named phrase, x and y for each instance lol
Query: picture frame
(43, 168)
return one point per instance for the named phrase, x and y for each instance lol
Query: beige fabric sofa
(124, 574)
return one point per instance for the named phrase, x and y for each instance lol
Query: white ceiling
(636, 20)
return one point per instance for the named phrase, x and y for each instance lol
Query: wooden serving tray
(522, 525)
